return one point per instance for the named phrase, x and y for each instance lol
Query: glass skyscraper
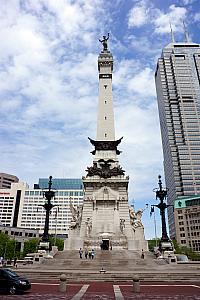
(178, 92)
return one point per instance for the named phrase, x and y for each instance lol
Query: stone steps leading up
(95, 265)
(113, 260)
(110, 276)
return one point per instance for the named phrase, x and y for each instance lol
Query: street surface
(110, 291)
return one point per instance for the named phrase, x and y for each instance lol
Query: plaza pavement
(158, 279)
(110, 291)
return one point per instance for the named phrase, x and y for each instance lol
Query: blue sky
(49, 85)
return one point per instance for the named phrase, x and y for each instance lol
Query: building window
(183, 241)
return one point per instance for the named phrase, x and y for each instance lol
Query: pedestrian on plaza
(15, 262)
(81, 253)
(86, 253)
(92, 254)
(110, 246)
(142, 255)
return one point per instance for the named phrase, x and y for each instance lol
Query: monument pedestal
(74, 241)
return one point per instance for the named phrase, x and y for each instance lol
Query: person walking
(81, 253)
(15, 262)
(92, 254)
(86, 253)
(142, 255)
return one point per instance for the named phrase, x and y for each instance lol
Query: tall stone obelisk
(106, 220)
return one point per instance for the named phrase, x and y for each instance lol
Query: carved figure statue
(135, 218)
(88, 227)
(104, 42)
(104, 171)
(132, 216)
(138, 221)
(122, 225)
(76, 215)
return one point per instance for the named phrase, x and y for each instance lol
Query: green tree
(59, 243)
(8, 247)
(177, 247)
(4, 240)
(30, 246)
(152, 243)
(186, 250)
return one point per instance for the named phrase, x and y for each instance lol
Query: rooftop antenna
(186, 33)
(172, 34)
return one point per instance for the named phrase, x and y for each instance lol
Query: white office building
(22, 207)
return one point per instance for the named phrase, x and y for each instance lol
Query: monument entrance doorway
(105, 244)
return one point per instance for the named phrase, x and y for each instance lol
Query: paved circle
(110, 291)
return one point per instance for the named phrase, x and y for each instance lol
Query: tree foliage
(30, 246)
(153, 243)
(59, 243)
(8, 247)
(186, 250)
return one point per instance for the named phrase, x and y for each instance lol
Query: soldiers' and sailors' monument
(105, 219)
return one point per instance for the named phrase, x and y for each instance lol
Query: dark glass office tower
(178, 92)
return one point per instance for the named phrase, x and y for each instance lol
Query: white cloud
(143, 83)
(146, 13)
(133, 76)
(176, 15)
(187, 2)
(197, 17)
(49, 92)
(138, 15)
(143, 44)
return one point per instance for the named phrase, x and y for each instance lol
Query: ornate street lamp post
(161, 194)
(165, 246)
(48, 207)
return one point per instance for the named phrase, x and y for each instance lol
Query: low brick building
(187, 221)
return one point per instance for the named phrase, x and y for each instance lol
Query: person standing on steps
(81, 253)
(92, 253)
(86, 253)
(142, 255)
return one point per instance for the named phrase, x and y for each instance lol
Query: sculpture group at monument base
(106, 241)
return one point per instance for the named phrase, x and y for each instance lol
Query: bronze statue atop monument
(105, 42)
